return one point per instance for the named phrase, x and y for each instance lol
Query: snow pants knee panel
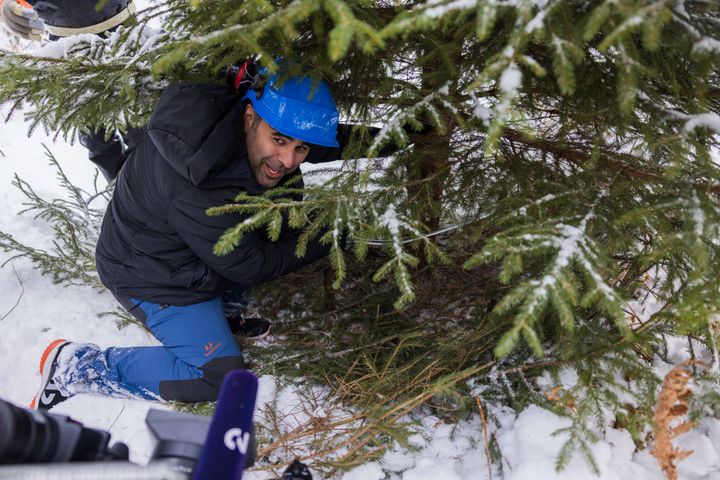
(202, 389)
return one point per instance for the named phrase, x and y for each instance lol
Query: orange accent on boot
(22, 3)
(43, 359)
(47, 351)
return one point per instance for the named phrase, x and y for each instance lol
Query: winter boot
(252, 328)
(48, 396)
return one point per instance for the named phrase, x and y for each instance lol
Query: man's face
(270, 153)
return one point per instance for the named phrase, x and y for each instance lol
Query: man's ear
(248, 116)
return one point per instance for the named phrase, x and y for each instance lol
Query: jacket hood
(198, 130)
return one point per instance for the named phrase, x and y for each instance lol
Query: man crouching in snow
(204, 145)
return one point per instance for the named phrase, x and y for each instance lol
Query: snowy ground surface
(34, 311)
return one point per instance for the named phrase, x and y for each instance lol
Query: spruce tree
(572, 148)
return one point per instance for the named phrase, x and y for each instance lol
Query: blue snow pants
(198, 350)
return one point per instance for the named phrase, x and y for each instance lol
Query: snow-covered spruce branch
(76, 214)
(75, 226)
(347, 28)
(72, 259)
(683, 245)
(295, 12)
(704, 44)
(64, 86)
(125, 47)
(690, 122)
(401, 260)
(67, 264)
(337, 220)
(71, 216)
(393, 129)
(574, 267)
(646, 17)
(598, 395)
(427, 14)
(250, 37)
(338, 191)
(504, 69)
(611, 159)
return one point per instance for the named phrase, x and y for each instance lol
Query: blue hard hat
(300, 109)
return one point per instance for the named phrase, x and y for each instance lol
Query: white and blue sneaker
(49, 395)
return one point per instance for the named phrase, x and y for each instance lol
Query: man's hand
(20, 17)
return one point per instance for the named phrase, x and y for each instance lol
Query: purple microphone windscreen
(229, 439)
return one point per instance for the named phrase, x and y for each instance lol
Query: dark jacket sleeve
(255, 260)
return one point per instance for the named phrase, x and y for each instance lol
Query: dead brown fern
(671, 408)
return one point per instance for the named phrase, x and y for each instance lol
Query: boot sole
(50, 350)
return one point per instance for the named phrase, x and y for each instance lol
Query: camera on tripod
(40, 445)
(45, 445)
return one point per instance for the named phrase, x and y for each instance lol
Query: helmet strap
(242, 75)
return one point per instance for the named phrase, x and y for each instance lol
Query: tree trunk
(432, 149)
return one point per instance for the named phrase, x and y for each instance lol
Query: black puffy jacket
(76, 13)
(156, 240)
